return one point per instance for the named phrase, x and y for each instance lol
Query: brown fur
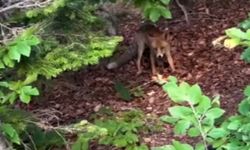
(158, 43)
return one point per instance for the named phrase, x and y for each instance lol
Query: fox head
(159, 43)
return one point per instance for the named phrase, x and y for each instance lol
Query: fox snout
(159, 53)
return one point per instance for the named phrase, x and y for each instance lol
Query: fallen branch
(184, 11)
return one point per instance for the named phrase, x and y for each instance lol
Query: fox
(149, 36)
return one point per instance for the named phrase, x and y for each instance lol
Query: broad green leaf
(154, 14)
(24, 49)
(180, 146)
(4, 84)
(214, 113)
(8, 130)
(181, 127)
(8, 62)
(25, 98)
(14, 54)
(124, 92)
(204, 105)
(166, 2)
(30, 90)
(236, 33)
(165, 147)
(169, 119)
(234, 125)
(180, 111)
(208, 121)
(244, 108)
(199, 146)
(166, 13)
(26, 92)
(195, 93)
(245, 24)
(247, 91)
(231, 43)
(33, 40)
(217, 133)
(193, 132)
(173, 91)
(172, 79)
(246, 55)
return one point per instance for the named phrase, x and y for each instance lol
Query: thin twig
(184, 11)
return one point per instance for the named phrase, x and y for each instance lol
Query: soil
(218, 71)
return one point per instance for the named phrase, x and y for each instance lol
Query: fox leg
(141, 47)
(170, 59)
(152, 60)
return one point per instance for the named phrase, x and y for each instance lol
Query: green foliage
(154, 9)
(195, 114)
(124, 92)
(122, 131)
(240, 36)
(118, 130)
(63, 36)
(175, 146)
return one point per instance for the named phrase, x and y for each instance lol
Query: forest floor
(218, 71)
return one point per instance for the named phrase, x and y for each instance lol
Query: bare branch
(26, 4)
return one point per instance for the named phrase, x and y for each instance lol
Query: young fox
(158, 43)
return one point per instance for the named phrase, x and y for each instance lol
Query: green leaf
(26, 92)
(166, 13)
(14, 54)
(181, 127)
(195, 93)
(234, 125)
(25, 98)
(30, 90)
(24, 49)
(169, 119)
(166, 2)
(33, 40)
(245, 24)
(10, 132)
(8, 62)
(204, 105)
(236, 33)
(154, 14)
(231, 43)
(199, 146)
(172, 79)
(123, 91)
(180, 146)
(165, 147)
(244, 108)
(246, 55)
(193, 132)
(247, 91)
(180, 111)
(214, 113)
(217, 133)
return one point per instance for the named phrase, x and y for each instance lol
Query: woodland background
(56, 92)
